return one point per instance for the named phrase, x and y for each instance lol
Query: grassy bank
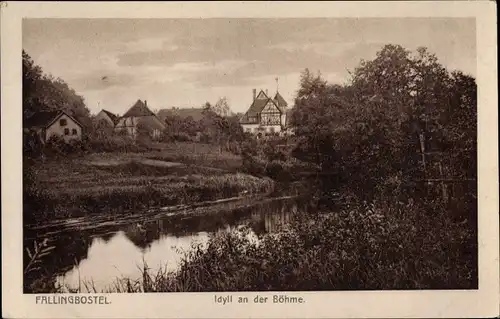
(198, 154)
(117, 183)
(376, 246)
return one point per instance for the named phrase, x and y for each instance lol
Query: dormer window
(63, 122)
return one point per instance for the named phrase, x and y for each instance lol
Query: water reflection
(103, 255)
(121, 258)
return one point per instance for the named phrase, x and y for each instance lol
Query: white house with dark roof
(53, 123)
(140, 115)
(265, 115)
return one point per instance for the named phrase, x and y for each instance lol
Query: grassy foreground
(377, 246)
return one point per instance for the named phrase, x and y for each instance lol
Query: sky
(185, 62)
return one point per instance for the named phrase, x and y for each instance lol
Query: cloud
(286, 59)
(189, 61)
(103, 81)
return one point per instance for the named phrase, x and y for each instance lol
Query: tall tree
(368, 130)
(221, 107)
(42, 92)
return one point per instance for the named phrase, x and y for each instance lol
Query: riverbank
(368, 247)
(115, 184)
(371, 247)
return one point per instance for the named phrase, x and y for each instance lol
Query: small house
(137, 117)
(54, 123)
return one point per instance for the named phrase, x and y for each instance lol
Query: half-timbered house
(265, 115)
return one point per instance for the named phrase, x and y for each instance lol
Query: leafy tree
(221, 107)
(42, 92)
(32, 75)
(317, 118)
(219, 129)
(367, 132)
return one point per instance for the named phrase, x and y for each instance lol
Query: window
(63, 122)
(66, 131)
(271, 129)
(74, 132)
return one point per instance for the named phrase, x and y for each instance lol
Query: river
(100, 253)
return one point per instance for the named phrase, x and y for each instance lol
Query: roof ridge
(46, 117)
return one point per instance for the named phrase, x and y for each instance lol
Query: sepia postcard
(249, 159)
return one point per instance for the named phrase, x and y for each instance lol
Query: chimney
(267, 93)
(254, 94)
(145, 102)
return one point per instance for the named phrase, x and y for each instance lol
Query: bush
(182, 137)
(279, 170)
(120, 143)
(368, 247)
(253, 166)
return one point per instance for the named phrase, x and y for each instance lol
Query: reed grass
(42, 204)
(373, 246)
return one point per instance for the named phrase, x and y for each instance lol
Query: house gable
(262, 96)
(113, 117)
(280, 101)
(108, 117)
(271, 107)
(137, 113)
(140, 114)
(270, 114)
(253, 113)
(45, 119)
(265, 111)
(64, 114)
(139, 109)
(65, 126)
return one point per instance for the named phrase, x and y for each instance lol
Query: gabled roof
(195, 113)
(138, 109)
(257, 106)
(44, 119)
(112, 116)
(280, 100)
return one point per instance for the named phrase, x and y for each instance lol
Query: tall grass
(43, 204)
(375, 246)
(370, 247)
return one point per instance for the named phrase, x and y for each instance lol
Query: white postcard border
(373, 304)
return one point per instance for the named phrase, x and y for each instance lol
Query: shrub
(370, 246)
(279, 170)
(253, 166)
(117, 142)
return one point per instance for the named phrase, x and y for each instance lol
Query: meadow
(117, 183)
